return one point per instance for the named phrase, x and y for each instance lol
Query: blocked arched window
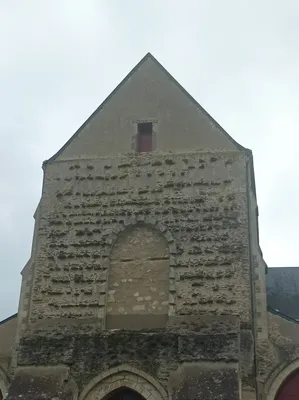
(138, 280)
(289, 390)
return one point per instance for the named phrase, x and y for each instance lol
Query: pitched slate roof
(283, 291)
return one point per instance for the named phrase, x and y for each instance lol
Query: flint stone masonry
(196, 201)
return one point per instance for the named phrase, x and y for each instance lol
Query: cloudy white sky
(61, 58)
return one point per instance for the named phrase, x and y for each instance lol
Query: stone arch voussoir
(123, 376)
(132, 221)
(278, 376)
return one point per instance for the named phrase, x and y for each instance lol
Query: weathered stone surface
(200, 215)
(207, 381)
(47, 383)
(143, 244)
(88, 351)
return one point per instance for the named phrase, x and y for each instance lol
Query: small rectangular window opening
(145, 137)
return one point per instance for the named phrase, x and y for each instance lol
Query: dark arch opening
(289, 390)
(124, 394)
(1, 395)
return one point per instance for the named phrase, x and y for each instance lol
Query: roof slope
(283, 291)
(149, 58)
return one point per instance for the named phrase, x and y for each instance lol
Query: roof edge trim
(280, 314)
(8, 318)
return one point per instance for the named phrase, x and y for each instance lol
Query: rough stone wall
(197, 200)
(208, 380)
(42, 382)
(27, 283)
(258, 270)
(189, 361)
(138, 273)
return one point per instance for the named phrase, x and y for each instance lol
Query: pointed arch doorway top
(124, 394)
(138, 385)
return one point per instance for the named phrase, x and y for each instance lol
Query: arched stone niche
(123, 377)
(138, 279)
(282, 382)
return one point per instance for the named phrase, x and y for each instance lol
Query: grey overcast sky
(61, 58)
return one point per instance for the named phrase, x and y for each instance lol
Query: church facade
(146, 279)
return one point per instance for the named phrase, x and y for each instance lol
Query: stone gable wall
(149, 95)
(196, 200)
